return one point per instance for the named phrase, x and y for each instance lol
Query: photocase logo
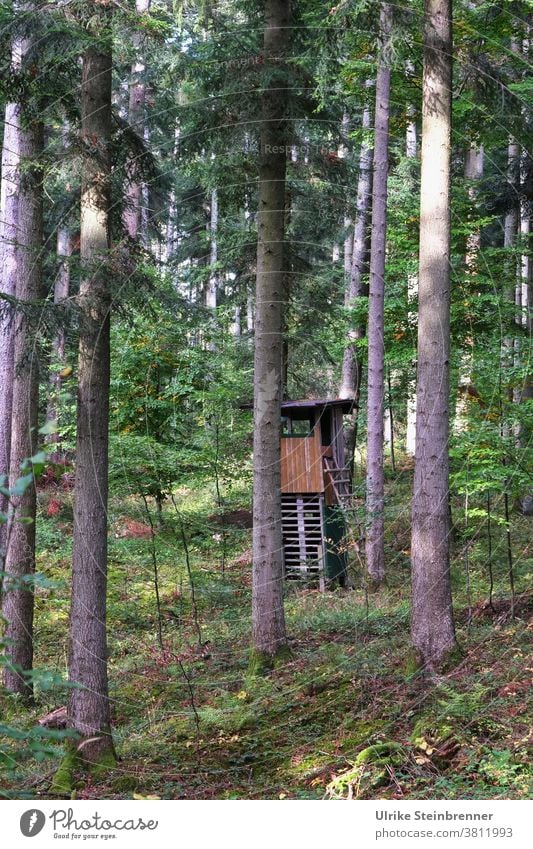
(32, 822)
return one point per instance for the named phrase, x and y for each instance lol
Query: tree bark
(25, 253)
(171, 228)
(9, 199)
(351, 365)
(137, 100)
(9, 210)
(268, 619)
(89, 711)
(432, 626)
(211, 295)
(375, 481)
(61, 293)
(526, 499)
(412, 286)
(473, 171)
(510, 236)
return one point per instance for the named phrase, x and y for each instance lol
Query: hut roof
(346, 404)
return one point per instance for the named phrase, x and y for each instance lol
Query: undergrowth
(341, 718)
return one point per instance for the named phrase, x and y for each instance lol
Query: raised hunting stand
(314, 484)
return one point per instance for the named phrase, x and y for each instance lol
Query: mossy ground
(190, 721)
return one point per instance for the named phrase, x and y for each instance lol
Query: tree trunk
(211, 296)
(172, 229)
(412, 286)
(432, 626)
(375, 482)
(343, 153)
(510, 235)
(474, 160)
(351, 366)
(268, 619)
(61, 293)
(526, 499)
(137, 100)
(17, 607)
(9, 204)
(89, 711)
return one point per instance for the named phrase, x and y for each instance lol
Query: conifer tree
(375, 482)
(268, 620)
(23, 257)
(432, 626)
(89, 711)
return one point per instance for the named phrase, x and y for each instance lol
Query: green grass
(191, 722)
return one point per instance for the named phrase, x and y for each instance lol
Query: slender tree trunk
(172, 230)
(412, 287)
(17, 607)
(211, 296)
(351, 365)
(410, 134)
(133, 192)
(250, 314)
(375, 482)
(526, 263)
(526, 499)
(432, 626)
(348, 248)
(519, 316)
(9, 203)
(61, 293)
(268, 619)
(510, 235)
(237, 329)
(89, 711)
(473, 171)
(343, 153)
(388, 422)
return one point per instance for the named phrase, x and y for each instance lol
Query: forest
(266, 396)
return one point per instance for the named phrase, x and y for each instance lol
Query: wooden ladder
(340, 482)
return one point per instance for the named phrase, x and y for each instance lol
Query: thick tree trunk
(17, 607)
(268, 619)
(351, 365)
(375, 482)
(89, 711)
(133, 192)
(432, 626)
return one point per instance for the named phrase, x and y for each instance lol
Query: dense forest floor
(345, 717)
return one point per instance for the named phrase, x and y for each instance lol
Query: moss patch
(261, 663)
(64, 780)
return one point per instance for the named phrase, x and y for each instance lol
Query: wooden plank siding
(302, 464)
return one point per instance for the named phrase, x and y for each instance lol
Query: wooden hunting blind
(314, 485)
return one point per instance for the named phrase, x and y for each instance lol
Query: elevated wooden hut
(314, 484)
